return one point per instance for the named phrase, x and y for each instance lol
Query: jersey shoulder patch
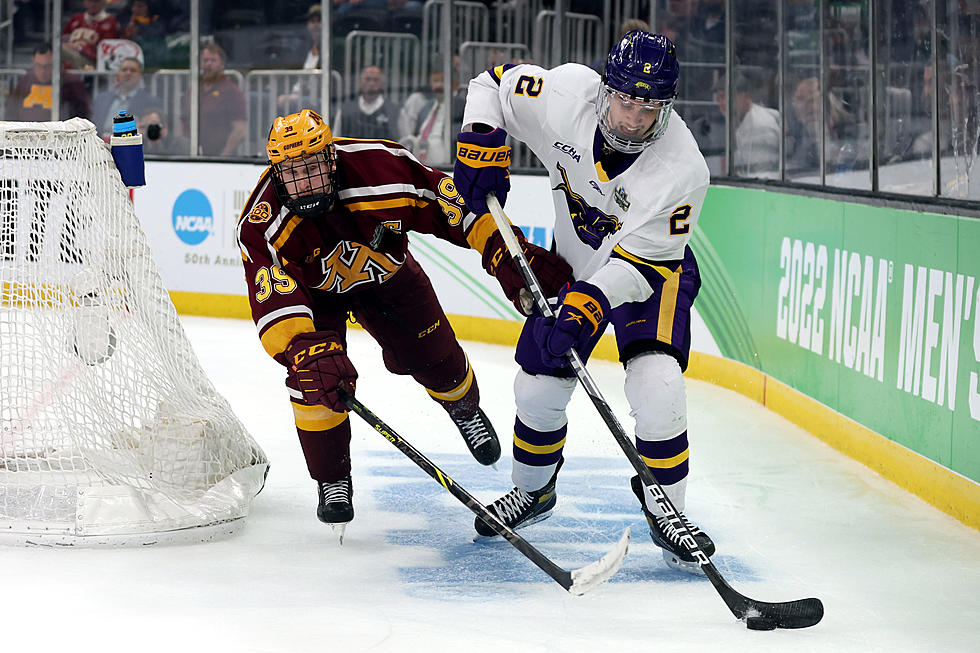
(261, 212)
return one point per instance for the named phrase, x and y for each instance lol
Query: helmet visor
(629, 124)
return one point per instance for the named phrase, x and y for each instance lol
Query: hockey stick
(577, 581)
(801, 613)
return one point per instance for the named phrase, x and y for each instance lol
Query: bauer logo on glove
(481, 156)
(580, 317)
(482, 162)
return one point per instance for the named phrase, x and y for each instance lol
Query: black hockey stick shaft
(577, 582)
(790, 614)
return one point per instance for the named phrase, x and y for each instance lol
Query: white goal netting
(110, 431)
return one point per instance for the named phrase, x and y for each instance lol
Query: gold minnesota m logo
(352, 264)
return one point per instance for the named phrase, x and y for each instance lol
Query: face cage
(314, 202)
(623, 143)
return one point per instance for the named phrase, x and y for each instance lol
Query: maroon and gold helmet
(297, 135)
(304, 163)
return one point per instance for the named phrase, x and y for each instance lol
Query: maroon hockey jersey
(88, 31)
(383, 193)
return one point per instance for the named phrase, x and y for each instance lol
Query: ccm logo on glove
(297, 357)
(319, 367)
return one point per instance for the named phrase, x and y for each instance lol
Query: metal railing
(471, 22)
(272, 93)
(515, 20)
(582, 35)
(398, 55)
(477, 56)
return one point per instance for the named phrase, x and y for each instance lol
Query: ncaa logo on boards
(193, 218)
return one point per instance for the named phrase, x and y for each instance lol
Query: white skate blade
(339, 529)
(601, 570)
(674, 562)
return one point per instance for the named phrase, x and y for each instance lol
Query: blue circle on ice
(193, 219)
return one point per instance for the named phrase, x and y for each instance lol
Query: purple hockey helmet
(641, 70)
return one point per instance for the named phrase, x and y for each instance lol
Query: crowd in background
(817, 122)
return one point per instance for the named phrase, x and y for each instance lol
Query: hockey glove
(319, 365)
(481, 167)
(583, 311)
(551, 270)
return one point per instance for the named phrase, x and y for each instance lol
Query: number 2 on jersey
(527, 85)
(678, 220)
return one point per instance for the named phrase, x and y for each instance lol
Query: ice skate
(336, 507)
(667, 537)
(480, 438)
(518, 508)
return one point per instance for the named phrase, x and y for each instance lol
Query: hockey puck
(760, 623)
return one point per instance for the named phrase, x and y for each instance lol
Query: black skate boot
(518, 508)
(336, 506)
(668, 538)
(480, 438)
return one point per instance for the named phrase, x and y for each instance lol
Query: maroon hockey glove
(551, 270)
(319, 365)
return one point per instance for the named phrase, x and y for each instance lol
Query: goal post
(110, 431)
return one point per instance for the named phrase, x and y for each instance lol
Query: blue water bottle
(127, 150)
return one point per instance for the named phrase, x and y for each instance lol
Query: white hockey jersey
(645, 213)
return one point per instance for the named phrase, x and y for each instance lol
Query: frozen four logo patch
(620, 196)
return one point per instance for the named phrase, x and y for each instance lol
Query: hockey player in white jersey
(628, 184)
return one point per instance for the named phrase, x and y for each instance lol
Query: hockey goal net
(110, 431)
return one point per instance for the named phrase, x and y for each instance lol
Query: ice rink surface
(791, 518)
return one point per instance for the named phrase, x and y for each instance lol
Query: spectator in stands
(422, 121)
(314, 27)
(222, 112)
(301, 95)
(147, 29)
(842, 149)
(31, 99)
(757, 131)
(675, 23)
(682, 11)
(157, 137)
(127, 93)
(708, 27)
(142, 24)
(673, 27)
(370, 114)
(83, 32)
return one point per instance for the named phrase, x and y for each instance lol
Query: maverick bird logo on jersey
(591, 224)
(352, 264)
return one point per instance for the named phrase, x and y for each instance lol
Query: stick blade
(802, 613)
(598, 572)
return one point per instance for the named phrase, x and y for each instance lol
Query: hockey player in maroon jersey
(323, 237)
